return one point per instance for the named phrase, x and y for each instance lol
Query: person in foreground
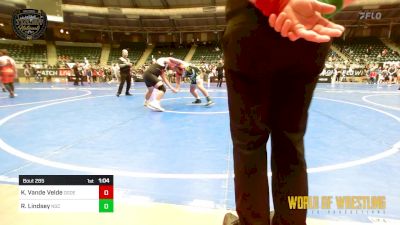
(8, 72)
(270, 42)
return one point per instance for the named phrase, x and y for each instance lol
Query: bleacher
(209, 53)
(368, 49)
(168, 50)
(135, 51)
(334, 57)
(36, 54)
(79, 53)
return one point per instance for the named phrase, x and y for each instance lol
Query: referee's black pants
(219, 82)
(76, 81)
(124, 78)
(270, 84)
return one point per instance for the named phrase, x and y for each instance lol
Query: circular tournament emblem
(29, 24)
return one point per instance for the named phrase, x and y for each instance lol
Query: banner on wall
(326, 75)
(54, 72)
(359, 72)
(47, 72)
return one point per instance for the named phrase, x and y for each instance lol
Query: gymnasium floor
(183, 156)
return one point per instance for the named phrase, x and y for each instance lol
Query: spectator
(27, 72)
(373, 76)
(392, 74)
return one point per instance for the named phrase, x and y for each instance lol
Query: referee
(125, 73)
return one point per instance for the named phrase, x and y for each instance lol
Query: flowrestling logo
(367, 15)
(29, 24)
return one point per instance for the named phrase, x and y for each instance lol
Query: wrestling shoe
(198, 101)
(155, 106)
(209, 101)
(230, 219)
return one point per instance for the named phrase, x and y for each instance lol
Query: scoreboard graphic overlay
(66, 193)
